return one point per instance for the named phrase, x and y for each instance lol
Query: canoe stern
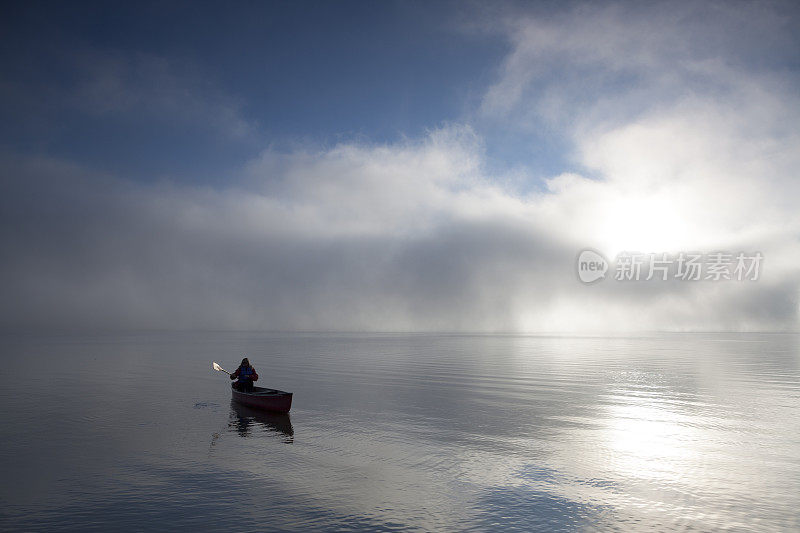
(265, 399)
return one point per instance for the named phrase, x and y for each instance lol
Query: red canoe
(277, 401)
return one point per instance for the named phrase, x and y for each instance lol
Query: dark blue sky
(394, 166)
(293, 72)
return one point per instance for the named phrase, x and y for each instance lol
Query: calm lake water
(402, 432)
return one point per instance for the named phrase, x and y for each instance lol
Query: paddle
(218, 368)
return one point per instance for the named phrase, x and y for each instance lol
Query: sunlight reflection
(648, 439)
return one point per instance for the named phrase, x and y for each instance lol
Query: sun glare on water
(648, 441)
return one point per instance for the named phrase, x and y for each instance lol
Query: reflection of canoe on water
(244, 418)
(273, 400)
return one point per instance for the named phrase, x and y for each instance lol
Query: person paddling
(246, 375)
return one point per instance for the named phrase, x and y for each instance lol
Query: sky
(397, 166)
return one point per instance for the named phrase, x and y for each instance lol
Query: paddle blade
(218, 368)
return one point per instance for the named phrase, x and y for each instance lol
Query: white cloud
(407, 237)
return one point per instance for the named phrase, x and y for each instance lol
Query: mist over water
(671, 432)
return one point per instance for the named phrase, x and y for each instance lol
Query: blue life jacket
(245, 374)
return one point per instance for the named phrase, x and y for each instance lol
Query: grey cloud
(119, 84)
(93, 251)
(132, 90)
(129, 257)
(609, 62)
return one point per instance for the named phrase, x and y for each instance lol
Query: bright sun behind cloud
(639, 223)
